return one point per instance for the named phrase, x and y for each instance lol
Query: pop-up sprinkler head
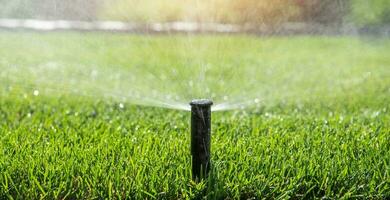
(200, 137)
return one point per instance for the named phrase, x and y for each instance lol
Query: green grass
(322, 130)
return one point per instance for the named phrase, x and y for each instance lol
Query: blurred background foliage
(50, 9)
(372, 12)
(329, 12)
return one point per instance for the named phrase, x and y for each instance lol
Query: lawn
(77, 119)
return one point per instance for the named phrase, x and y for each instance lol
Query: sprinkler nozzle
(200, 137)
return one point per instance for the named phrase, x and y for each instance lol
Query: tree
(323, 11)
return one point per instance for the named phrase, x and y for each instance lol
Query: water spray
(200, 138)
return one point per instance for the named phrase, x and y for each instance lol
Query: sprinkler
(200, 138)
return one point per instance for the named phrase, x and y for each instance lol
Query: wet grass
(323, 133)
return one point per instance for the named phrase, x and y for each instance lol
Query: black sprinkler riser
(200, 138)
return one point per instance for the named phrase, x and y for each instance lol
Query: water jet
(200, 137)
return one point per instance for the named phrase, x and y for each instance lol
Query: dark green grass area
(330, 142)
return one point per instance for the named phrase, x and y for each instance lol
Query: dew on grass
(121, 106)
(36, 92)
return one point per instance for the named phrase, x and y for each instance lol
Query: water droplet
(375, 114)
(36, 92)
(121, 106)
